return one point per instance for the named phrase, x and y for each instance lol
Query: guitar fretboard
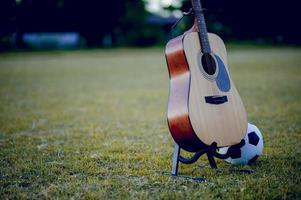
(201, 23)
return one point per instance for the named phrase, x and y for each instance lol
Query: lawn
(92, 124)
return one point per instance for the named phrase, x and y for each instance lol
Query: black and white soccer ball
(249, 149)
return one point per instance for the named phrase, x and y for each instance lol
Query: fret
(201, 23)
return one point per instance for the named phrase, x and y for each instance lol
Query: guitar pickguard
(222, 80)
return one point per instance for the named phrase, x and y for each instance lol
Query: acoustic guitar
(204, 107)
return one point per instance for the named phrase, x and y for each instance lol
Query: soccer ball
(248, 150)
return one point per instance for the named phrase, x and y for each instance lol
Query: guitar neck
(201, 24)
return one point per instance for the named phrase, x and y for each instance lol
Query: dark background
(127, 23)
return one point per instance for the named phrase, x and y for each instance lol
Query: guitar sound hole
(208, 63)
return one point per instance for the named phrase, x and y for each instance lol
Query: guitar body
(203, 108)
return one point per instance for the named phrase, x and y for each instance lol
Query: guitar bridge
(216, 99)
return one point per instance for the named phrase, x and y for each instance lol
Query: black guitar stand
(211, 154)
(178, 158)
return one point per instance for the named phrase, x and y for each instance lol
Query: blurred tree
(133, 29)
(7, 22)
(95, 19)
(127, 21)
(271, 21)
(7, 16)
(92, 18)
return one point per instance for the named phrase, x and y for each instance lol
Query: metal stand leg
(211, 160)
(175, 160)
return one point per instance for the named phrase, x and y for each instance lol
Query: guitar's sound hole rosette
(201, 67)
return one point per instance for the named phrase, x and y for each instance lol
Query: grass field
(91, 124)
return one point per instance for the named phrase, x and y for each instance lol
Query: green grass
(91, 124)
